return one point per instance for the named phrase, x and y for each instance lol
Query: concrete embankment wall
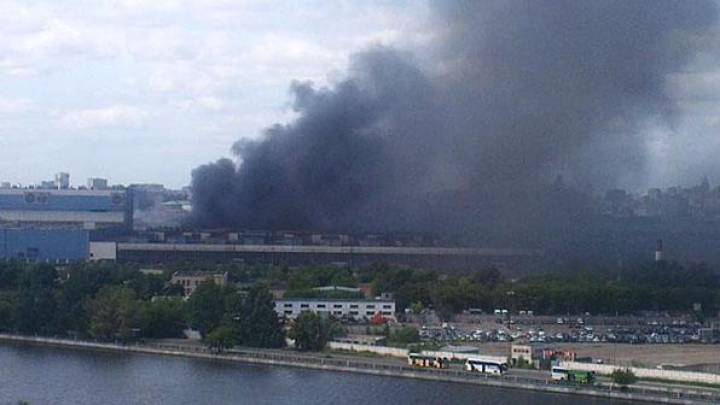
(712, 368)
(379, 350)
(402, 353)
(674, 375)
(370, 366)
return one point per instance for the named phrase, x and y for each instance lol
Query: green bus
(579, 376)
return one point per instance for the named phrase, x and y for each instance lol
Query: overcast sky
(145, 91)
(142, 91)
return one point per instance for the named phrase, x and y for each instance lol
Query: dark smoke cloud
(512, 94)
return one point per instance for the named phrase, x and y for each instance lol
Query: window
(288, 312)
(321, 306)
(353, 306)
(387, 306)
(354, 313)
(370, 306)
(337, 306)
(304, 306)
(370, 313)
(337, 313)
(387, 313)
(288, 305)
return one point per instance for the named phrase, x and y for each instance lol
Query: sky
(145, 91)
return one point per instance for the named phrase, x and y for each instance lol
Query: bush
(404, 336)
(523, 363)
(623, 377)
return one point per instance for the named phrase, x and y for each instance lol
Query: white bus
(485, 366)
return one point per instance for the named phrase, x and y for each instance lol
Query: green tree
(310, 332)
(206, 307)
(173, 290)
(403, 336)
(417, 307)
(8, 307)
(490, 277)
(162, 318)
(147, 286)
(113, 314)
(343, 278)
(82, 282)
(223, 337)
(411, 293)
(623, 377)
(10, 272)
(261, 327)
(36, 309)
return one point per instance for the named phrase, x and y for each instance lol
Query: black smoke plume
(463, 135)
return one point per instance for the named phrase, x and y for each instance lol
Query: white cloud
(113, 116)
(53, 44)
(207, 71)
(14, 106)
(206, 103)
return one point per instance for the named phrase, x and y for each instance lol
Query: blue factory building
(44, 245)
(90, 209)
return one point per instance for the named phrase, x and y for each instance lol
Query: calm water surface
(44, 375)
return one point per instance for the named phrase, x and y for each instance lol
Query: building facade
(351, 309)
(44, 245)
(190, 280)
(89, 209)
(97, 183)
(62, 180)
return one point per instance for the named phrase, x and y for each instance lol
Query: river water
(46, 375)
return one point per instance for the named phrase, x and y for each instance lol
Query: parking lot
(624, 341)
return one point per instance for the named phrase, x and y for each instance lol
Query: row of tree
(653, 286)
(109, 301)
(112, 302)
(656, 286)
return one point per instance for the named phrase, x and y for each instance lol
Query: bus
(485, 366)
(580, 376)
(420, 360)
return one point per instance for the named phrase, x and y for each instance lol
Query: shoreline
(362, 365)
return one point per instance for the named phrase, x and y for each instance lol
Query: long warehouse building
(89, 209)
(430, 257)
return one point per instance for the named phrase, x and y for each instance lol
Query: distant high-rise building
(62, 181)
(96, 183)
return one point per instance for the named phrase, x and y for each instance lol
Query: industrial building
(429, 257)
(55, 224)
(106, 217)
(89, 209)
(44, 245)
(355, 309)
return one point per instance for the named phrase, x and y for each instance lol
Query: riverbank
(380, 368)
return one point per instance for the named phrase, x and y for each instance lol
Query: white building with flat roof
(355, 309)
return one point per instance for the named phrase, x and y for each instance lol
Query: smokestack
(659, 253)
